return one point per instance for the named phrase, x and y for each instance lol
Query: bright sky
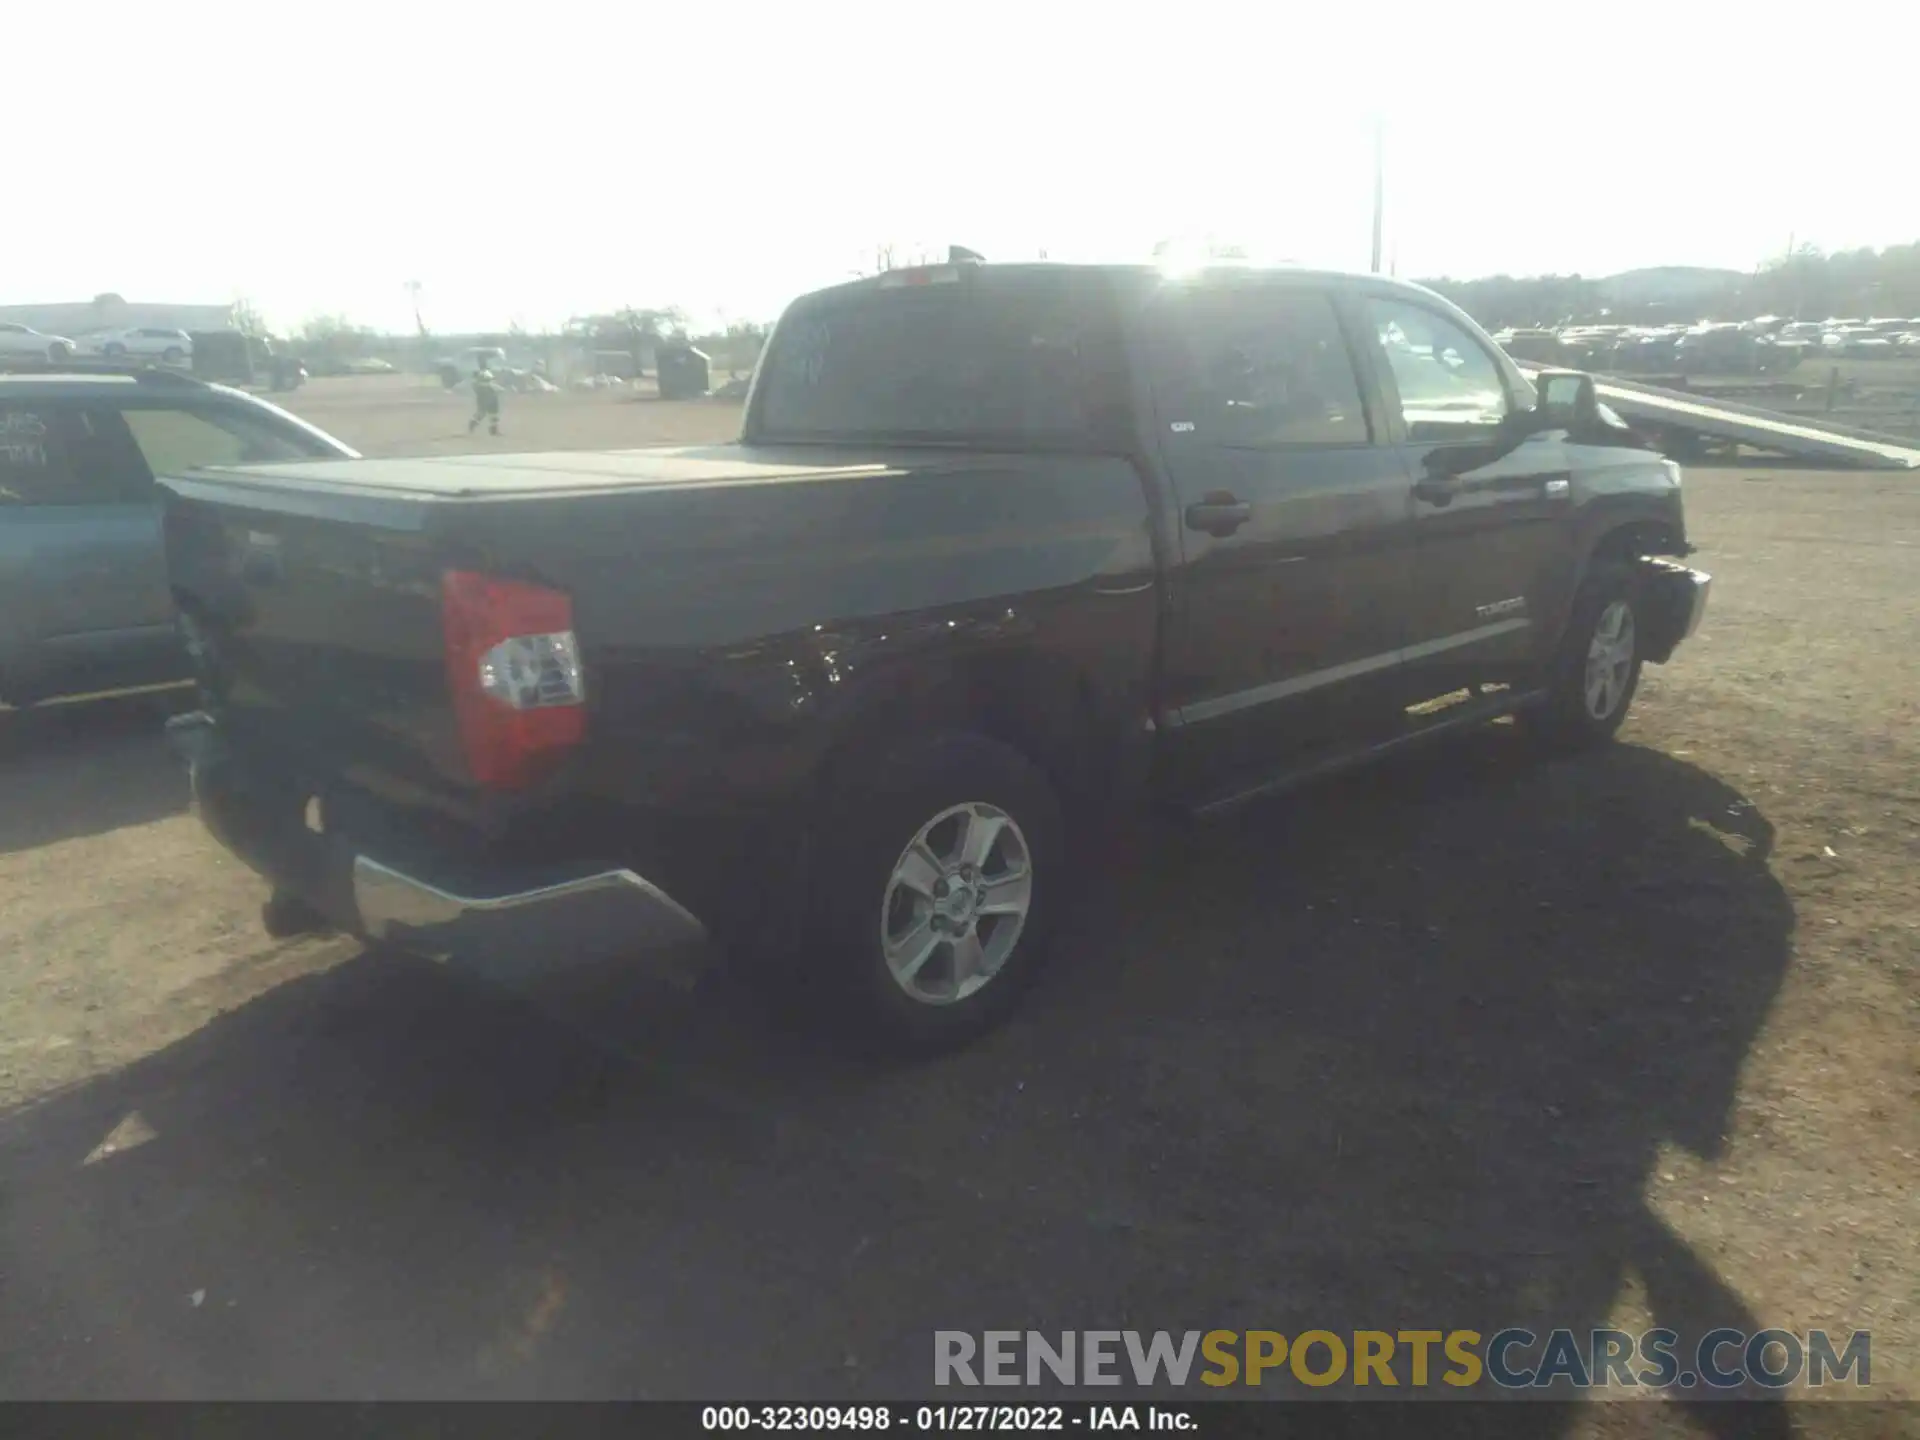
(534, 159)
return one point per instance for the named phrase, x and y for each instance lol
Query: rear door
(84, 599)
(1296, 531)
(82, 582)
(1492, 514)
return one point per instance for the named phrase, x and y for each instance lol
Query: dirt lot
(1878, 395)
(411, 415)
(1473, 1041)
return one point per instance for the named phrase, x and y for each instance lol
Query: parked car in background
(1879, 339)
(1799, 340)
(25, 340)
(1716, 349)
(144, 342)
(1725, 348)
(1534, 345)
(1859, 342)
(1590, 347)
(84, 604)
(1647, 350)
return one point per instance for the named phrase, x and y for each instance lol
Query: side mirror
(1567, 401)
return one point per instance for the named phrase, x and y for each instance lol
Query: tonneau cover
(546, 474)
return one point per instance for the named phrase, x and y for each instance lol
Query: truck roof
(1128, 275)
(31, 376)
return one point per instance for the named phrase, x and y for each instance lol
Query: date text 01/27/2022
(937, 1418)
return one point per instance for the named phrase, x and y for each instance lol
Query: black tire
(173, 355)
(60, 353)
(284, 916)
(1570, 720)
(878, 815)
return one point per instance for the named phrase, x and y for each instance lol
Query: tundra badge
(1501, 607)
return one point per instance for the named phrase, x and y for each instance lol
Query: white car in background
(146, 342)
(25, 340)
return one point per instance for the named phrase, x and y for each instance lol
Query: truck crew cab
(999, 547)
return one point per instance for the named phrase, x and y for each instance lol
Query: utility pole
(1379, 186)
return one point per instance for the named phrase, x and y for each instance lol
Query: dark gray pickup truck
(1000, 547)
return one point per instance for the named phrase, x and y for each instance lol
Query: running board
(1468, 715)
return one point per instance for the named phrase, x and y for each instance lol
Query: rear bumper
(1677, 603)
(509, 921)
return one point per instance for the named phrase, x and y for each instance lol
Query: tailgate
(315, 622)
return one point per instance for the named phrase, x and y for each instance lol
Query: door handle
(1219, 514)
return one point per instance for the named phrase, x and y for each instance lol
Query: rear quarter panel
(733, 634)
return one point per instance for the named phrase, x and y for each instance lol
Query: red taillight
(513, 667)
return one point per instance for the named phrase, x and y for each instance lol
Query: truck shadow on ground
(68, 771)
(1402, 1052)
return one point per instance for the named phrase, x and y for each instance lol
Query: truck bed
(712, 588)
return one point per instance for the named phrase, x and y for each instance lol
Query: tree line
(1807, 284)
(335, 340)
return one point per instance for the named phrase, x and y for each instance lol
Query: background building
(113, 312)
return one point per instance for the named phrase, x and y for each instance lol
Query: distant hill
(1667, 284)
(1809, 286)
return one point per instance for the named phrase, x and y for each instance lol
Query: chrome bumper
(1677, 597)
(596, 915)
(509, 922)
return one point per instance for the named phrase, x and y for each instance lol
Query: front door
(1492, 514)
(1296, 537)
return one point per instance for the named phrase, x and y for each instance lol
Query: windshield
(1017, 360)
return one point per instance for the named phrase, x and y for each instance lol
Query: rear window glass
(1014, 360)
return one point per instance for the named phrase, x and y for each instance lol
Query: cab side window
(56, 454)
(32, 460)
(174, 441)
(1450, 387)
(1257, 367)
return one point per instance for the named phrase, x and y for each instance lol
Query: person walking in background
(486, 400)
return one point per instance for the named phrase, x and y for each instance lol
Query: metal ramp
(1800, 436)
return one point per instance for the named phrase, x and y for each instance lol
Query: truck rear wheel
(1597, 669)
(933, 891)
